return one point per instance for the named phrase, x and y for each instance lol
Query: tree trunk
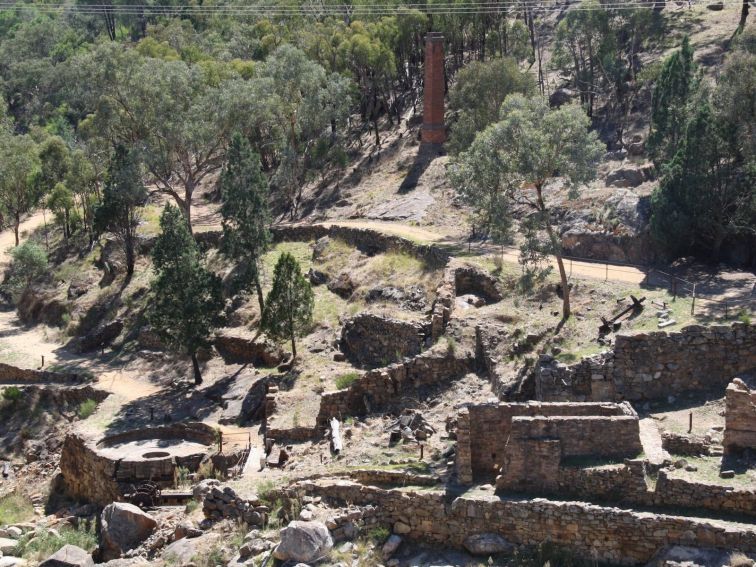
(557, 252)
(197, 372)
(128, 245)
(16, 226)
(293, 339)
(260, 299)
(744, 14)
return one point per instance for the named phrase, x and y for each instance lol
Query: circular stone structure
(154, 453)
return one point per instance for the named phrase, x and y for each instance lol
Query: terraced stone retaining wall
(13, 375)
(381, 387)
(369, 340)
(649, 366)
(368, 241)
(594, 532)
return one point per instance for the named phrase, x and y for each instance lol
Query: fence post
(607, 272)
(727, 313)
(674, 289)
(693, 305)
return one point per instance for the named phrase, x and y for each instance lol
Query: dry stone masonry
(529, 440)
(740, 417)
(369, 340)
(649, 366)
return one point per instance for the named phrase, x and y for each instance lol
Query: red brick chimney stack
(434, 131)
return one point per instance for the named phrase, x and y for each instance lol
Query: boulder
(304, 541)
(203, 488)
(317, 277)
(487, 544)
(123, 527)
(181, 552)
(69, 556)
(391, 545)
(7, 545)
(12, 562)
(101, 336)
(343, 286)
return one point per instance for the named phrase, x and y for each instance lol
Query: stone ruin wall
(655, 365)
(14, 375)
(366, 240)
(380, 388)
(740, 417)
(369, 340)
(90, 476)
(484, 430)
(594, 532)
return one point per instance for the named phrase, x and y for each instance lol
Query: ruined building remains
(434, 131)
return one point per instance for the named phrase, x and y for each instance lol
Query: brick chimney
(434, 131)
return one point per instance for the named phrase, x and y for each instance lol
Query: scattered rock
(203, 488)
(317, 277)
(7, 545)
(727, 474)
(391, 545)
(69, 556)
(124, 526)
(14, 532)
(303, 541)
(487, 544)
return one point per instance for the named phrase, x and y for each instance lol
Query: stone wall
(370, 341)
(681, 493)
(594, 532)
(224, 502)
(194, 431)
(484, 431)
(740, 417)
(395, 478)
(14, 375)
(381, 387)
(368, 241)
(686, 444)
(87, 475)
(653, 365)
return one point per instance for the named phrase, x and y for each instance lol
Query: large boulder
(101, 336)
(487, 544)
(342, 285)
(303, 541)
(124, 527)
(69, 556)
(180, 552)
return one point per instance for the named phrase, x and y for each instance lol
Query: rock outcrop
(303, 541)
(123, 527)
(69, 556)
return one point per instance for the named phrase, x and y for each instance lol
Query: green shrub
(15, 508)
(744, 316)
(191, 506)
(28, 263)
(12, 393)
(378, 534)
(346, 380)
(87, 408)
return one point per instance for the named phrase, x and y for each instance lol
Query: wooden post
(422, 447)
(607, 272)
(674, 289)
(220, 441)
(43, 361)
(727, 313)
(690, 422)
(693, 305)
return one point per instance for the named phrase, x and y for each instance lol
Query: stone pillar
(434, 130)
(464, 453)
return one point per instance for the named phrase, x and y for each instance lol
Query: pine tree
(188, 301)
(122, 202)
(669, 106)
(289, 305)
(246, 214)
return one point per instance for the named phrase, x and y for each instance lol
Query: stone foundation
(524, 435)
(650, 366)
(593, 532)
